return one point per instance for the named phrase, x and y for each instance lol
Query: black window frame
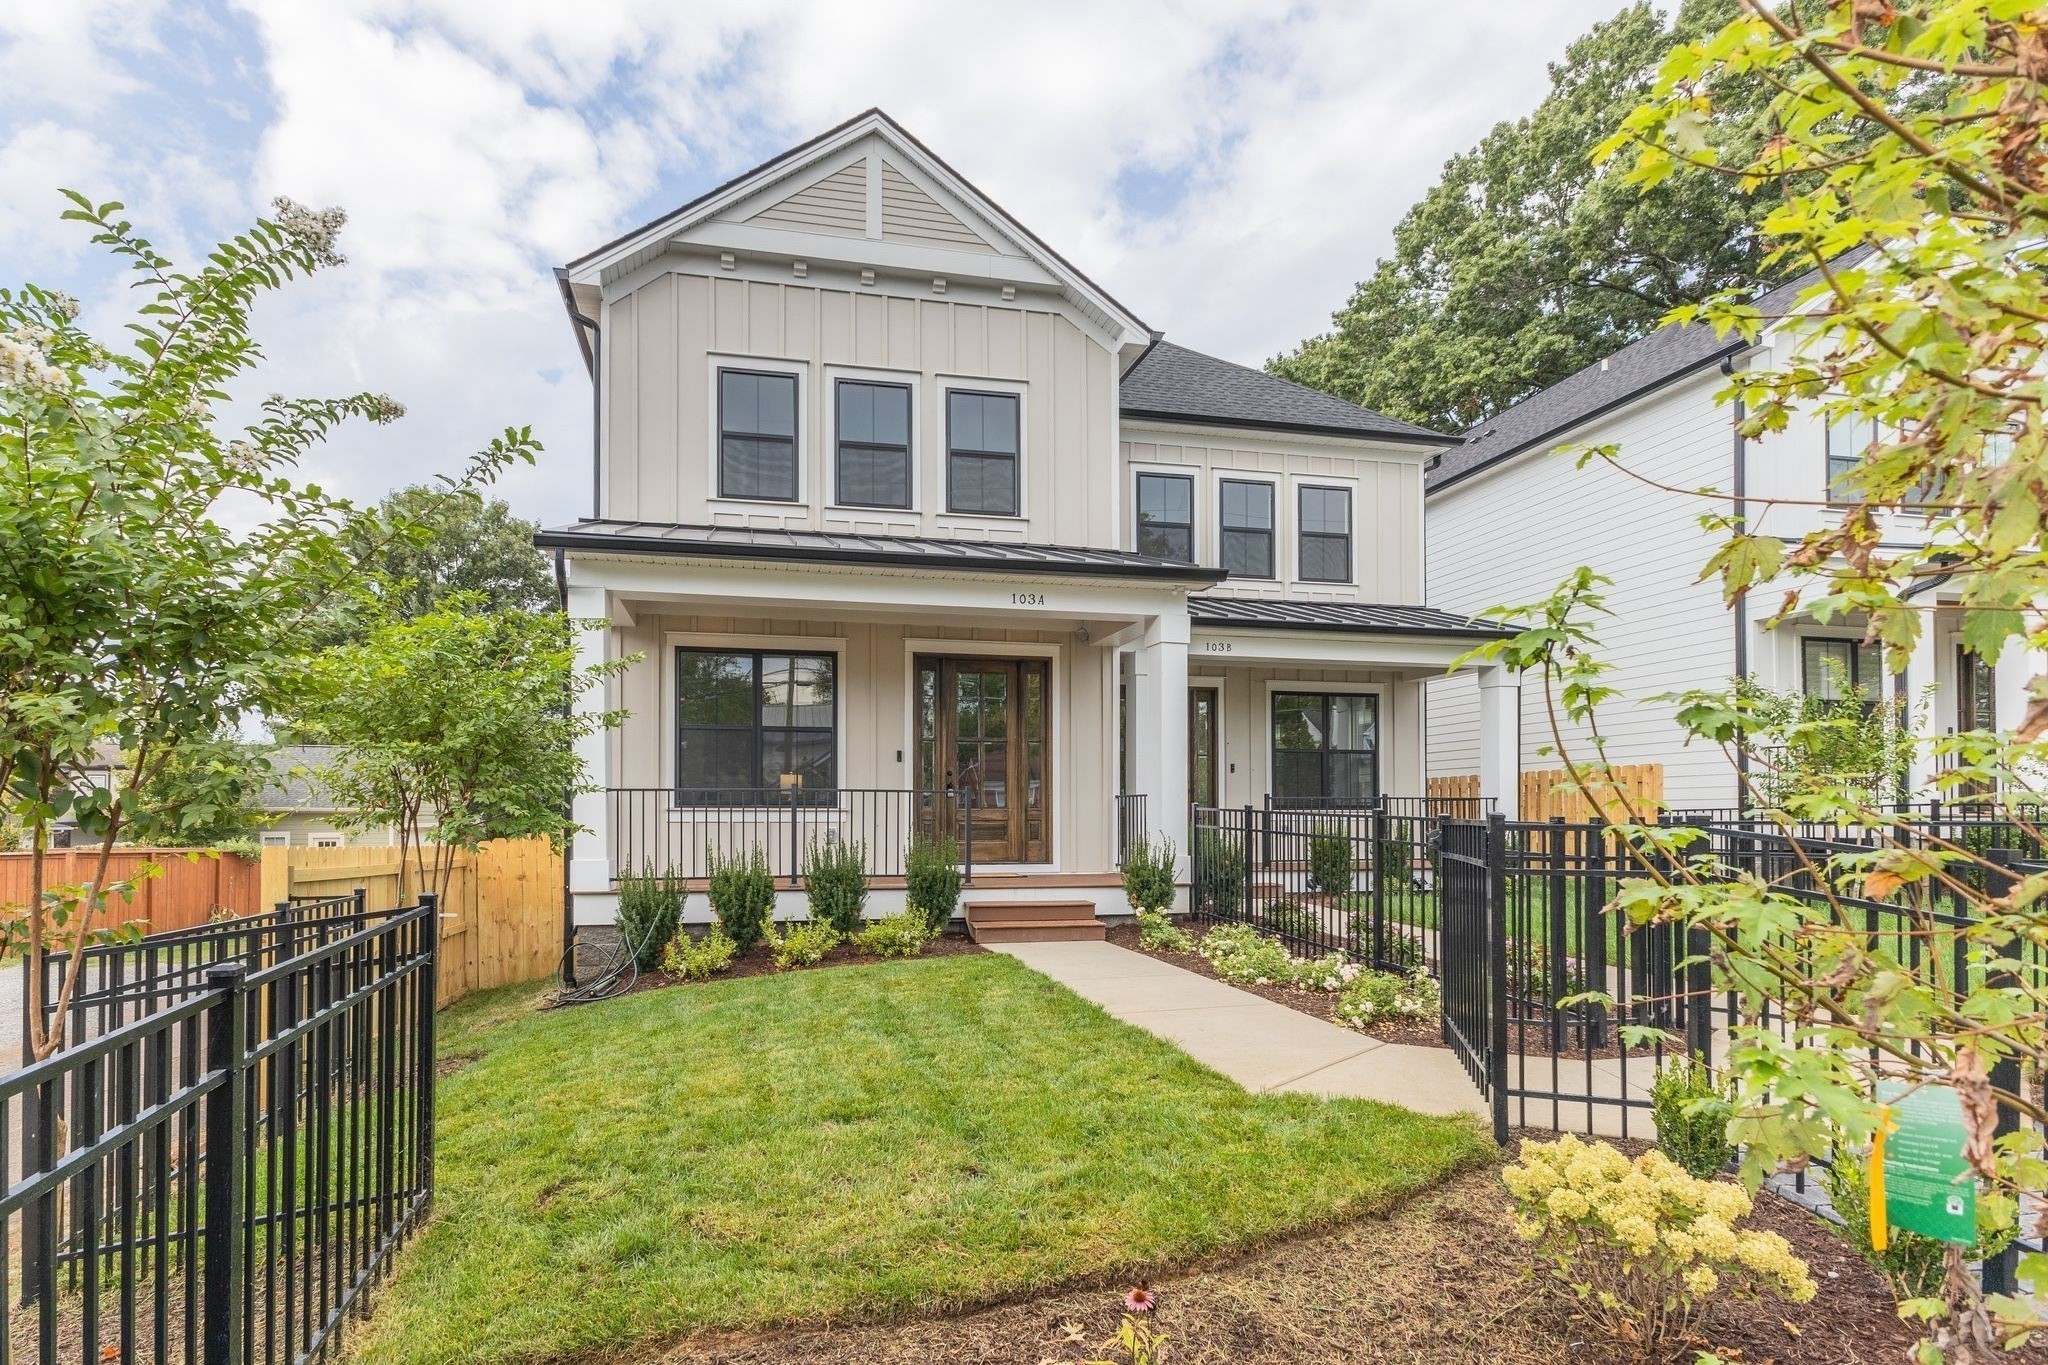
(1273, 749)
(1271, 531)
(1865, 677)
(907, 449)
(795, 437)
(1015, 457)
(1140, 525)
(1303, 535)
(684, 795)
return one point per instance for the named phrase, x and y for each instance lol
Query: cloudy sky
(1227, 169)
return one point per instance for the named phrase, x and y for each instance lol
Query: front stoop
(1034, 922)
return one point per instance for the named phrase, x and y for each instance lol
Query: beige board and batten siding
(1386, 506)
(875, 718)
(661, 406)
(1514, 533)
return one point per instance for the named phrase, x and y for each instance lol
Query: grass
(861, 1143)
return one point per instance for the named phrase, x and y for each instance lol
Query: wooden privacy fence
(1454, 788)
(501, 921)
(187, 889)
(1640, 785)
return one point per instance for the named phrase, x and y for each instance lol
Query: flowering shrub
(1374, 997)
(802, 945)
(696, 959)
(1243, 955)
(1158, 933)
(901, 935)
(1640, 1243)
(1330, 972)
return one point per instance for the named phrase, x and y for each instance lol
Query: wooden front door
(1202, 748)
(984, 729)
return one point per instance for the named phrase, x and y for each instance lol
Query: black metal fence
(1130, 822)
(223, 1176)
(678, 832)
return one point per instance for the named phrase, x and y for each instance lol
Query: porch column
(1500, 739)
(1159, 726)
(1930, 709)
(2016, 667)
(590, 862)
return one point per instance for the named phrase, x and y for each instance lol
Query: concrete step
(1033, 922)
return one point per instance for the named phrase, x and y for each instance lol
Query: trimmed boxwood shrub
(931, 877)
(1148, 873)
(742, 896)
(1329, 862)
(836, 881)
(650, 908)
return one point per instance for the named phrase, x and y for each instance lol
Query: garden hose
(619, 976)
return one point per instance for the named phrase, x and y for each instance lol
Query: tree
(427, 543)
(457, 727)
(202, 795)
(1527, 262)
(1906, 159)
(130, 611)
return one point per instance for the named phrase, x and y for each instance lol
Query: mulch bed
(1441, 1279)
(1321, 1004)
(759, 961)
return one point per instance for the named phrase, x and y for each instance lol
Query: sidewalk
(1258, 1044)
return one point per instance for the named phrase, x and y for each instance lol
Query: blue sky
(1229, 170)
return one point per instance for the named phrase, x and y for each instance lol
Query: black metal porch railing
(1130, 822)
(677, 831)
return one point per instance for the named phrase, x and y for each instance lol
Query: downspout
(592, 337)
(568, 813)
(1741, 605)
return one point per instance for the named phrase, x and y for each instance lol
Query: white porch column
(1500, 739)
(1930, 707)
(590, 862)
(2016, 667)
(1159, 725)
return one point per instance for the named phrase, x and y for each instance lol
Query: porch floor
(1260, 1045)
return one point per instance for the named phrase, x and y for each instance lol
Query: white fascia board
(1324, 649)
(1267, 440)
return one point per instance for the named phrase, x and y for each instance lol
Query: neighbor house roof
(1631, 373)
(1361, 618)
(834, 547)
(295, 783)
(1172, 383)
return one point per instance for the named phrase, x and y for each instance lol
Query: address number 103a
(1028, 599)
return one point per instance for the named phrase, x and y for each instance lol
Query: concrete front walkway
(1258, 1044)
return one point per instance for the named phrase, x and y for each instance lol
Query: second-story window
(981, 452)
(1166, 516)
(757, 435)
(873, 433)
(1247, 527)
(1849, 440)
(1325, 534)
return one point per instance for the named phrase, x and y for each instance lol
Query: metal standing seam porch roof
(837, 547)
(1356, 618)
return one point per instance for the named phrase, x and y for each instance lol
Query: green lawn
(855, 1142)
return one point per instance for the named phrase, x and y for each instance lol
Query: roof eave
(1428, 438)
(1347, 628)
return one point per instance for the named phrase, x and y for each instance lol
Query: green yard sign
(1928, 1186)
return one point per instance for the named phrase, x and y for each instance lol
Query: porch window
(1247, 531)
(1833, 669)
(1325, 534)
(873, 436)
(1325, 748)
(981, 452)
(1166, 516)
(745, 718)
(757, 435)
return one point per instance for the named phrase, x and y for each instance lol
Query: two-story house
(1511, 513)
(914, 527)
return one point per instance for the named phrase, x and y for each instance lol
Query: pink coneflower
(1139, 1300)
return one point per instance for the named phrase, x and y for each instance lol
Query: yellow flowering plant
(1643, 1246)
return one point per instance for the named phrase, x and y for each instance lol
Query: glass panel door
(1202, 747)
(984, 729)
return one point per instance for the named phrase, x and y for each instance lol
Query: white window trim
(942, 446)
(714, 445)
(277, 839)
(326, 841)
(1281, 520)
(667, 679)
(910, 379)
(1297, 482)
(1193, 474)
(1385, 710)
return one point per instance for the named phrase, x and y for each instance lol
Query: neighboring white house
(1511, 515)
(899, 510)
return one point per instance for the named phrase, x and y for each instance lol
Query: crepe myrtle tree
(1928, 222)
(457, 727)
(159, 571)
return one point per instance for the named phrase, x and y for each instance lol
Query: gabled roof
(1173, 383)
(833, 547)
(295, 783)
(1635, 371)
(1358, 618)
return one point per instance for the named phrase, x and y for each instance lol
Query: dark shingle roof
(1363, 618)
(295, 783)
(733, 542)
(1176, 384)
(1635, 371)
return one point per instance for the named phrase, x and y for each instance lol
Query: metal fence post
(1555, 894)
(1497, 971)
(222, 1165)
(430, 992)
(1376, 827)
(795, 852)
(1999, 1271)
(1244, 901)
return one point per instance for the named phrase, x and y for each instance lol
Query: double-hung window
(1166, 516)
(1325, 748)
(981, 452)
(1246, 509)
(757, 435)
(872, 430)
(1325, 534)
(748, 719)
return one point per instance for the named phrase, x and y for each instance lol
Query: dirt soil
(1441, 1280)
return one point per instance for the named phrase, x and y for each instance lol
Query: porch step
(1033, 922)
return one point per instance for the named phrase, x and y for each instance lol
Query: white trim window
(1324, 527)
(277, 839)
(758, 458)
(984, 452)
(1166, 516)
(1248, 526)
(871, 426)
